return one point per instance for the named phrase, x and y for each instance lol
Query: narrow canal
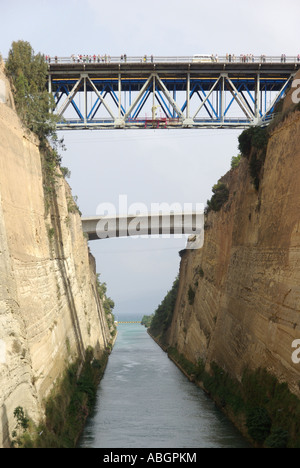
(144, 401)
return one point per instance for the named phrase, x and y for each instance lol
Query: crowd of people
(91, 58)
(94, 58)
(82, 58)
(249, 58)
(123, 58)
(102, 58)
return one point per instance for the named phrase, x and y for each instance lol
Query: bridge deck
(104, 227)
(188, 93)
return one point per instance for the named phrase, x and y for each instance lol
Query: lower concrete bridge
(118, 322)
(151, 224)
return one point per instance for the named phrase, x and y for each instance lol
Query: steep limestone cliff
(246, 309)
(50, 311)
(238, 301)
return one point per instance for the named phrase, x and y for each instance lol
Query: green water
(144, 401)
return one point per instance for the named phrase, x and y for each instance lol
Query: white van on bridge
(202, 58)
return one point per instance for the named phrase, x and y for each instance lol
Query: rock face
(246, 279)
(49, 308)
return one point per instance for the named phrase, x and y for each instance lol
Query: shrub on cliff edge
(220, 196)
(253, 145)
(28, 73)
(253, 137)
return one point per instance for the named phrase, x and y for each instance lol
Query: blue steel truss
(194, 95)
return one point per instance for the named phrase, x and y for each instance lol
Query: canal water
(144, 401)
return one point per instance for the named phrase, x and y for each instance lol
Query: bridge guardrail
(249, 58)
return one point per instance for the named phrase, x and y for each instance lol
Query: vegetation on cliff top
(253, 141)
(253, 145)
(219, 197)
(28, 73)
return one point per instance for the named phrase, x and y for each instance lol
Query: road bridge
(104, 227)
(102, 92)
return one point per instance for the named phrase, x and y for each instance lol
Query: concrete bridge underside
(104, 227)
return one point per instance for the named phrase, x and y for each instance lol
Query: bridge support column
(188, 121)
(119, 94)
(222, 99)
(257, 96)
(188, 91)
(85, 99)
(153, 99)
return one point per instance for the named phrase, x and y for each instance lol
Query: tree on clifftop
(28, 73)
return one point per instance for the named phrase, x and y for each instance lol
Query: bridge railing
(100, 58)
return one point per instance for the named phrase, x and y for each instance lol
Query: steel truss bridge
(167, 92)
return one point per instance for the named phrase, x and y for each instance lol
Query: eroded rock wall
(246, 278)
(49, 308)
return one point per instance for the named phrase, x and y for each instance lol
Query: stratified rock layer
(246, 278)
(49, 309)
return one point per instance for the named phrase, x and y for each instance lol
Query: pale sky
(148, 166)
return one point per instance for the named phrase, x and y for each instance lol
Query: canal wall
(50, 311)
(244, 310)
